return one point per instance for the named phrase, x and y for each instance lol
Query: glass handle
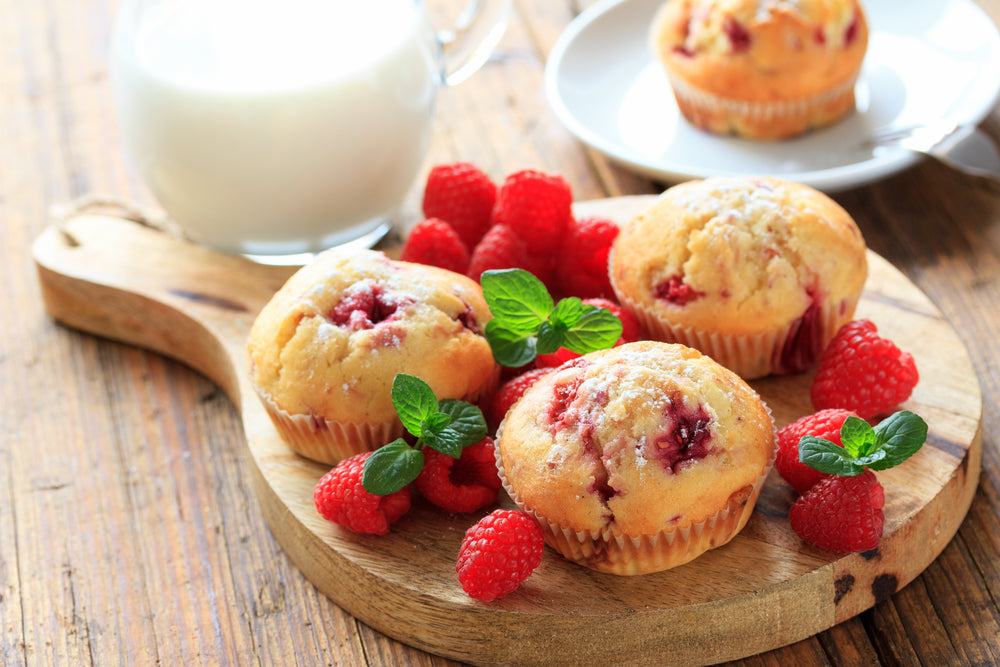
(477, 30)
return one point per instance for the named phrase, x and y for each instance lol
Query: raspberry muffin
(324, 351)
(758, 273)
(638, 458)
(761, 69)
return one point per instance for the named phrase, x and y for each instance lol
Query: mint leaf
(391, 467)
(567, 312)
(467, 426)
(900, 436)
(550, 338)
(890, 443)
(434, 423)
(510, 348)
(517, 298)
(526, 323)
(857, 435)
(825, 456)
(414, 401)
(597, 329)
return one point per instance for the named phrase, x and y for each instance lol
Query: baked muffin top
(635, 440)
(762, 50)
(331, 340)
(738, 255)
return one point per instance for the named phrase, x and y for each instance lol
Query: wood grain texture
(115, 279)
(130, 532)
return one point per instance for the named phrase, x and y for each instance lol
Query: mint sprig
(448, 426)
(894, 440)
(526, 322)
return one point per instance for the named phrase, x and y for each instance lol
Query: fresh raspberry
(842, 514)
(464, 484)
(823, 424)
(510, 391)
(433, 241)
(630, 334)
(555, 359)
(339, 497)
(463, 196)
(498, 553)
(502, 248)
(537, 206)
(863, 372)
(584, 262)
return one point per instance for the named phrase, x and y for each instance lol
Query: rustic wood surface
(113, 278)
(130, 532)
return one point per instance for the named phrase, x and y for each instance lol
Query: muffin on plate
(324, 351)
(761, 69)
(758, 273)
(638, 458)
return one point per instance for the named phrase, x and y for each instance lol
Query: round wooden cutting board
(765, 589)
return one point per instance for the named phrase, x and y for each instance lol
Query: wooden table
(129, 530)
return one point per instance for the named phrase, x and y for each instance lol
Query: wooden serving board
(765, 589)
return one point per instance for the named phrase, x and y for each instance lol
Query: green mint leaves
(526, 322)
(894, 440)
(448, 426)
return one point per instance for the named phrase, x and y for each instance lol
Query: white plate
(927, 59)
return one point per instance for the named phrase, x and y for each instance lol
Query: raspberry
(555, 359)
(433, 241)
(537, 206)
(842, 514)
(863, 372)
(674, 290)
(739, 36)
(630, 334)
(823, 424)
(510, 391)
(585, 254)
(339, 497)
(502, 248)
(464, 484)
(463, 196)
(498, 553)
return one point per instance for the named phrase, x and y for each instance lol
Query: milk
(276, 126)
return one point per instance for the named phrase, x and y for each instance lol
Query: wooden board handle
(121, 280)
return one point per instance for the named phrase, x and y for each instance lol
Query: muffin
(761, 69)
(638, 458)
(324, 351)
(758, 273)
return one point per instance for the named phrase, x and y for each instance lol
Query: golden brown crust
(755, 255)
(308, 358)
(637, 442)
(766, 69)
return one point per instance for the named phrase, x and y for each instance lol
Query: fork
(962, 147)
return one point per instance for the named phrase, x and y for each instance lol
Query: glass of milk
(279, 128)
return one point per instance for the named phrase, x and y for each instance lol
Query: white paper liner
(614, 553)
(766, 120)
(749, 356)
(326, 440)
(331, 441)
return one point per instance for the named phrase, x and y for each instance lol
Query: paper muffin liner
(615, 553)
(755, 355)
(331, 441)
(327, 440)
(761, 120)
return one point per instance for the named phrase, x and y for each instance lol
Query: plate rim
(829, 179)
